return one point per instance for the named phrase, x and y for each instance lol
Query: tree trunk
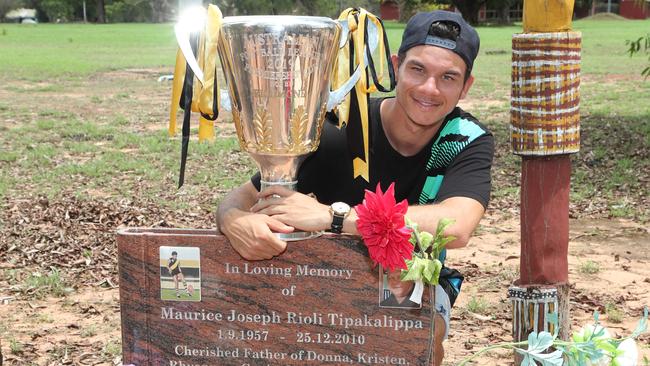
(469, 9)
(504, 14)
(407, 9)
(158, 11)
(101, 12)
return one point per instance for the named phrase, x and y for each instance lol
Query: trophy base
(299, 235)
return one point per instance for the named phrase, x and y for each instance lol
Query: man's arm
(305, 213)
(466, 213)
(250, 234)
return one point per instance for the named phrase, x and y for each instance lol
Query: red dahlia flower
(382, 226)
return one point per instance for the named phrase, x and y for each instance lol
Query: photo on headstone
(180, 273)
(395, 293)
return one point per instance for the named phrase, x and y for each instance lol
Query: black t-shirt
(328, 172)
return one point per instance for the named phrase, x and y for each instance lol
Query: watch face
(340, 208)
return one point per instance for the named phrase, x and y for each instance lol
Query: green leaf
(642, 326)
(431, 271)
(415, 267)
(608, 346)
(410, 223)
(442, 242)
(425, 240)
(538, 343)
(443, 224)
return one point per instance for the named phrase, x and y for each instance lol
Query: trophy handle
(337, 96)
(225, 100)
(183, 30)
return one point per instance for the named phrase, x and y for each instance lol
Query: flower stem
(507, 345)
(417, 239)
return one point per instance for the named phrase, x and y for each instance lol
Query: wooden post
(545, 129)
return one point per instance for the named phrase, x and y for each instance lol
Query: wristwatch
(339, 210)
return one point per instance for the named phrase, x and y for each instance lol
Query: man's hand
(251, 235)
(294, 209)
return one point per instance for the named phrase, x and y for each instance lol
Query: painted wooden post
(545, 130)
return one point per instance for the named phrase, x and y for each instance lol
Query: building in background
(389, 10)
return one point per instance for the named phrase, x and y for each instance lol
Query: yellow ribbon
(203, 100)
(177, 88)
(357, 22)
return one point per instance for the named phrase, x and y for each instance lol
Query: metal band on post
(530, 309)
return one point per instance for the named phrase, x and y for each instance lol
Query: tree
(101, 11)
(256, 7)
(159, 10)
(503, 9)
(59, 10)
(408, 8)
(326, 8)
(319, 7)
(642, 44)
(469, 9)
(7, 5)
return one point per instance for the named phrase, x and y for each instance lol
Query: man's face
(431, 81)
(398, 287)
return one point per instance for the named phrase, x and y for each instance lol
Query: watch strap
(337, 223)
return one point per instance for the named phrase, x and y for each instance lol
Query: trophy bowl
(277, 69)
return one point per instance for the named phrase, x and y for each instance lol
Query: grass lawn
(43, 51)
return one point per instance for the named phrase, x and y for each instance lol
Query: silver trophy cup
(277, 69)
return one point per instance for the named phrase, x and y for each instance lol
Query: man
(400, 291)
(438, 156)
(174, 268)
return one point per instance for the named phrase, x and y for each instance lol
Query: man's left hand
(292, 208)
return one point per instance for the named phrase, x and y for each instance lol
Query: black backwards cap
(417, 33)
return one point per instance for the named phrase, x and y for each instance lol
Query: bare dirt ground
(609, 258)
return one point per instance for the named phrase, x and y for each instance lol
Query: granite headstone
(316, 304)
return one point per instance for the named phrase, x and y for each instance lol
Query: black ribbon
(353, 130)
(186, 104)
(371, 62)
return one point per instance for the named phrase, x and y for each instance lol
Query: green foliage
(129, 11)
(641, 45)
(111, 350)
(591, 345)
(538, 343)
(59, 10)
(8, 5)
(42, 285)
(44, 318)
(589, 267)
(477, 305)
(89, 331)
(256, 7)
(614, 314)
(326, 8)
(425, 264)
(15, 347)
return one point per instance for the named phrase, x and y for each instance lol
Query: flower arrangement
(590, 346)
(395, 242)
